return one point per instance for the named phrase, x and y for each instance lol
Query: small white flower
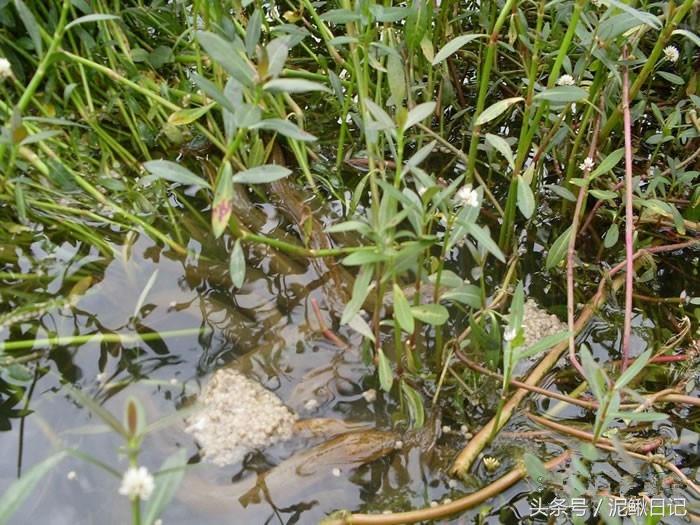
(101, 377)
(468, 196)
(509, 334)
(398, 445)
(671, 53)
(566, 80)
(173, 381)
(684, 297)
(433, 504)
(336, 472)
(137, 483)
(71, 475)
(370, 395)
(587, 164)
(447, 501)
(446, 429)
(5, 69)
(452, 483)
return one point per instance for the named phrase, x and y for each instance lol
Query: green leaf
(225, 54)
(671, 77)
(294, 85)
(646, 417)
(453, 46)
(467, 294)
(286, 128)
(212, 91)
(30, 24)
(611, 236)
(419, 113)
(252, 33)
(414, 403)
(277, 51)
(360, 290)
(608, 163)
(517, 308)
(688, 34)
(593, 374)
(526, 199)
(562, 94)
(433, 314)
(396, 78)
(165, 169)
(261, 174)
(483, 237)
(22, 488)
(543, 344)
(386, 375)
(402, 310)
(96, 17)
(495, 110)
(558, 250)
(381, 116)
(236, 265)
(536, 469)
(167, 483)
(631, 372)
(364, 257)
(502, 146)
(642, 16)
(187, 116)
(223, 202)
(604, 195)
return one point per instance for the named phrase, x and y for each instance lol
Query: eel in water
(292, 476)
(306, 469)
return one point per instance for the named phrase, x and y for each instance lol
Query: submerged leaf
(237, 265)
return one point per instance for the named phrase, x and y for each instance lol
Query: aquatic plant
(433, 164)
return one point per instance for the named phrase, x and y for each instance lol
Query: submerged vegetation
(469, 230)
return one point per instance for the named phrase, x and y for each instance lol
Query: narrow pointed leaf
(261, 174)
(223, 201)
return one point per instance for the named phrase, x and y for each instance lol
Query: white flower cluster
(467, 196)
(137, 483)
(237, 415)
(587, 164)
(5, 69)
(671, 53)
(566, 80)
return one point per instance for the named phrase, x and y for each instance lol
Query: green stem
(96, 337)
(484, 76)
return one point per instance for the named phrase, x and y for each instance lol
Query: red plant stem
(629, 215)
(327, 332)
(571, 251)
(655, 249)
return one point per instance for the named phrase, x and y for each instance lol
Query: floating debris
(238, 415)
(370, 395)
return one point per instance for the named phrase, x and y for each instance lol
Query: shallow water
(269, 330)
